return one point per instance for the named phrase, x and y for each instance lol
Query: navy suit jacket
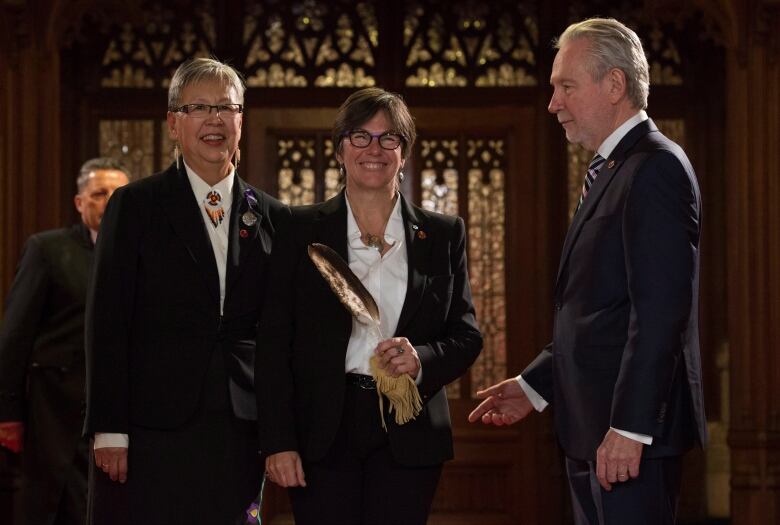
(625, 349)
(304, 332)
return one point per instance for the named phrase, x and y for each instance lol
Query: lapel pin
(249, 218)
(415, 227)
(421, 234)
(611, 164)
(243, 233)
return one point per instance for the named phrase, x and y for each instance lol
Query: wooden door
(480, 164)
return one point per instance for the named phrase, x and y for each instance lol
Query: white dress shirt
(605, 150)
(217, 235)
(219, 243)
(385, 277)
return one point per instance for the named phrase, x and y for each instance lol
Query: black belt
(361, 381)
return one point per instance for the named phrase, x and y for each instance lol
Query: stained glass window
(333, 182)
(486, 176)
(310, 43)
(439, 183)
(443, 161)
(439, 175)
(131, 142)
(296, 170)
(470, 43)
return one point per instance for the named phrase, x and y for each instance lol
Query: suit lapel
(243, 238)
(187, 221)
(605, 176)
(417, 252)
(330, 229)
(331, 225)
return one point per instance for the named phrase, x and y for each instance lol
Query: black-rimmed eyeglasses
(204, 110)
(361, 138)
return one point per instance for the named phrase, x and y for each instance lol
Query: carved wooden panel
(468, 43)
(310, 43)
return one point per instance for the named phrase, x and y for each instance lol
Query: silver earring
(237, 158)
(342, 171)
(400, 176)
(176, 155)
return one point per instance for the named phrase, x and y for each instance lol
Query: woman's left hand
(397, 356)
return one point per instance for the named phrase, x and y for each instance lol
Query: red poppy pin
(243, 233)
(421, 234)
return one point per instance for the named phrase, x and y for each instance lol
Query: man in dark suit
(171, 321)
(42, 358)
(623, 371)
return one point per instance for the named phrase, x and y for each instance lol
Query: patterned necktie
(593, 171)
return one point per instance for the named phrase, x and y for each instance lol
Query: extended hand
(12, 435)
(112, 461)
(397, 356)
(285, 469)
(617, 459)
(504, 404)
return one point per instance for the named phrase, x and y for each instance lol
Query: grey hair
(613, 45)
(93, 165)
(200, 69)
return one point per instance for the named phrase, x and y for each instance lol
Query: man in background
(42, 371)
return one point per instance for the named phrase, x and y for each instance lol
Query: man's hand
(12, 435)
(112, 461)
(285, 469)
(504, 404)
(617, 459)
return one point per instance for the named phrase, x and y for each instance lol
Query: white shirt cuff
(536, 400)
(107, 439)
(642, 438)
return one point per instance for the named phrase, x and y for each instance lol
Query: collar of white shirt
(394, 231)
(200, 188)
(611, 142)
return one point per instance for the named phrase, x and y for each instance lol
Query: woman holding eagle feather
(338, 443)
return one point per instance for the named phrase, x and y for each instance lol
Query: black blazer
(42, 359)
(625, 350)
(304, 331)
(153, 317)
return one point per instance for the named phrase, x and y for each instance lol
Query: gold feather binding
(401, 391)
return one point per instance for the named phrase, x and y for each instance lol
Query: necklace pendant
(374, 241)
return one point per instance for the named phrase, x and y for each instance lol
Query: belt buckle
(363, 382)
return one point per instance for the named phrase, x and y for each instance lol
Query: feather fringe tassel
(401, 391)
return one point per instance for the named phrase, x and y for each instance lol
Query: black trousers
(38, 502)
(650, 499)
(206, 473)
(359, 482)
